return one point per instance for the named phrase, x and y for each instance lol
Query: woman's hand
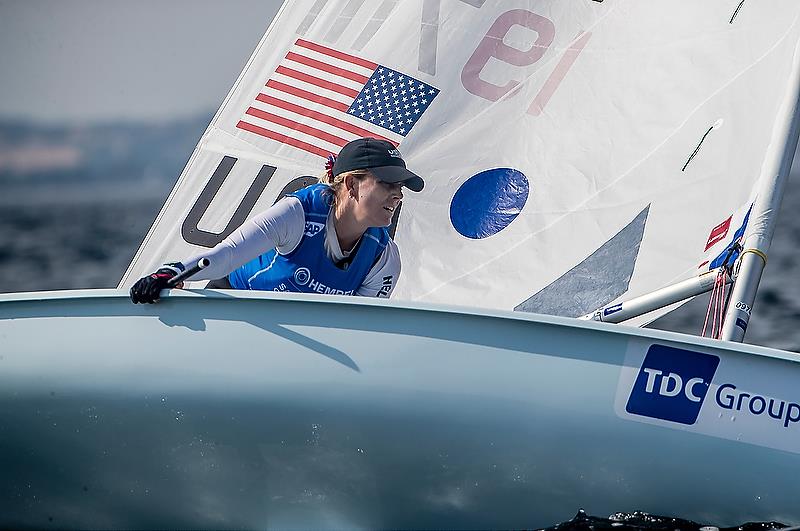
(148, 289)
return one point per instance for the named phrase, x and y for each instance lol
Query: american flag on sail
(318, 99)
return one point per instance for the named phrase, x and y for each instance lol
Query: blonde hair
(337, 182)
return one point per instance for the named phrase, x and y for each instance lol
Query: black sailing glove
(148, 289)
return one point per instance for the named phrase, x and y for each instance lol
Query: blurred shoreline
(55, 193)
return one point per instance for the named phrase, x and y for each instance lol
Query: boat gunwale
(558, 321)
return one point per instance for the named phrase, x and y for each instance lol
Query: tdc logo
(672, 384)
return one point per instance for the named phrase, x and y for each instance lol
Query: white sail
(575, 153)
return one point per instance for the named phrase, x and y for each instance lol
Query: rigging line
(752, 65)
(697, 148)
(721, 304)
(736, 12)
(708, 311)
(715, 298)
(714, 312)
(727, 303)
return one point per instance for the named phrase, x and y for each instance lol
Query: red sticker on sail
(718, 233)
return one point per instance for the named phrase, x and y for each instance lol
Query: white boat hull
(227, 409)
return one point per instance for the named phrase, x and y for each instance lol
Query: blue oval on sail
(488, 202)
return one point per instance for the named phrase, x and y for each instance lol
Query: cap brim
(398, 174)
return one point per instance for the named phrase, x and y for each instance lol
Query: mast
(765, 212)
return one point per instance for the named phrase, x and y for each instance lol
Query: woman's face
(376, 201)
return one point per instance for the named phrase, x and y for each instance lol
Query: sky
(107, 60)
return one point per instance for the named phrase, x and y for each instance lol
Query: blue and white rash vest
(308, 268)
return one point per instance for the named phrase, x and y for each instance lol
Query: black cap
(381, 158)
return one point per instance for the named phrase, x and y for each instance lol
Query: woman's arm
(279, 227)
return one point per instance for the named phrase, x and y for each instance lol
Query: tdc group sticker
(672, 384)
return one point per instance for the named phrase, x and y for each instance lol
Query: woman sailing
(330, 237)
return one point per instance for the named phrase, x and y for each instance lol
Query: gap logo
(672, 384)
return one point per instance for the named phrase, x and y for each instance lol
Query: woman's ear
(351, 185)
